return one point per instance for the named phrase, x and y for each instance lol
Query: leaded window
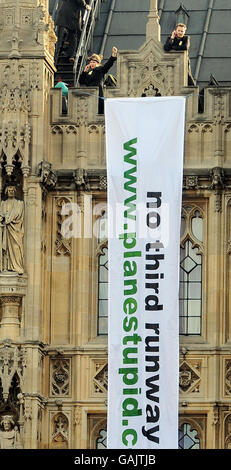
(188, 437)
(102, 252)
(101, 441)
(191, 268)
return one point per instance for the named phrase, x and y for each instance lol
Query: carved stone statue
(9, 434)
(12, 231)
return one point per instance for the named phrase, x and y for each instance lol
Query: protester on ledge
(93, 74)
(64, 87)
(178, 41)
(69, 17)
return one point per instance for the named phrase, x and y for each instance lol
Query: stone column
(12, 291)
(153, 27)
(10, 323)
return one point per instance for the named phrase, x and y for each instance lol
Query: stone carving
(60, 377)
(219, 105)
(217, 176)
(150, 90)
(39, 25)
(191, 182)
(102, 183)
(216, 415)
(81, 179)
(48, 177)
(101, 379)
(15, 132)
(62, 244)
(131, 79)
(188, 378)
(11, 234)
(60, 431)
(217, 184)
(82, 111)
(228, 432)
(13, 361)
(15, 43)
(9, 434)
(26, 16)
(78, 416)
(152, 77)
(57, 129)
(228, 377)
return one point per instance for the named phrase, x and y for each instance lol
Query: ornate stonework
(13, 361)
(100, 380)
(60, 377)
(189, 378)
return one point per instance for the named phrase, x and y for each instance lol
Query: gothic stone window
(97, 425)
(191, 268)
(188, 437)
(101, 440)
(102, 252)
(191, 265)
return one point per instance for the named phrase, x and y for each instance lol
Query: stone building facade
(53, 317)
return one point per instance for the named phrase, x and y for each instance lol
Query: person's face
(93, 64)
(11, 191)
(6, 425)
(180, 31)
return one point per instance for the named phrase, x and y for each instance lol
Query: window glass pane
(188, 437)
(194, 325)
(183, 226)
(103, 259)
(193, 253)
(103, 326)
(103, 227)
(103, 274)
(197, 226)
(183, 324)
(101, 441)
(194, 290)
(194, 307)
(195, 274)
(190, 290)
(103, 308)
(183, 307)
(183, 290)
(103, 290)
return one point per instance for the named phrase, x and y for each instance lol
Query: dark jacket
(95, 77)
(69, 14)
(180, 44)
(177, 44)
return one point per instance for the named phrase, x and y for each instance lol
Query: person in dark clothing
(69, 17)
(178, 41)
(93, 74)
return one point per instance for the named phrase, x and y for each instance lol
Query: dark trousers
(71, 36)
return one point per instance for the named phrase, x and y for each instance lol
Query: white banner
(145, 144)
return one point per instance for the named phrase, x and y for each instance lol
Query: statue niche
(9, 434)
(11, 232)
(11, 416)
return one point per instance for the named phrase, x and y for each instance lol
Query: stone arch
(193, 431)
(96, 432)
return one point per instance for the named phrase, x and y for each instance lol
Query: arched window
(191, 260)
(188, 437)
(102, 252)
(101, 441)
(97, 432)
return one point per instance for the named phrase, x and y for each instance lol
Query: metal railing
(85, 38)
